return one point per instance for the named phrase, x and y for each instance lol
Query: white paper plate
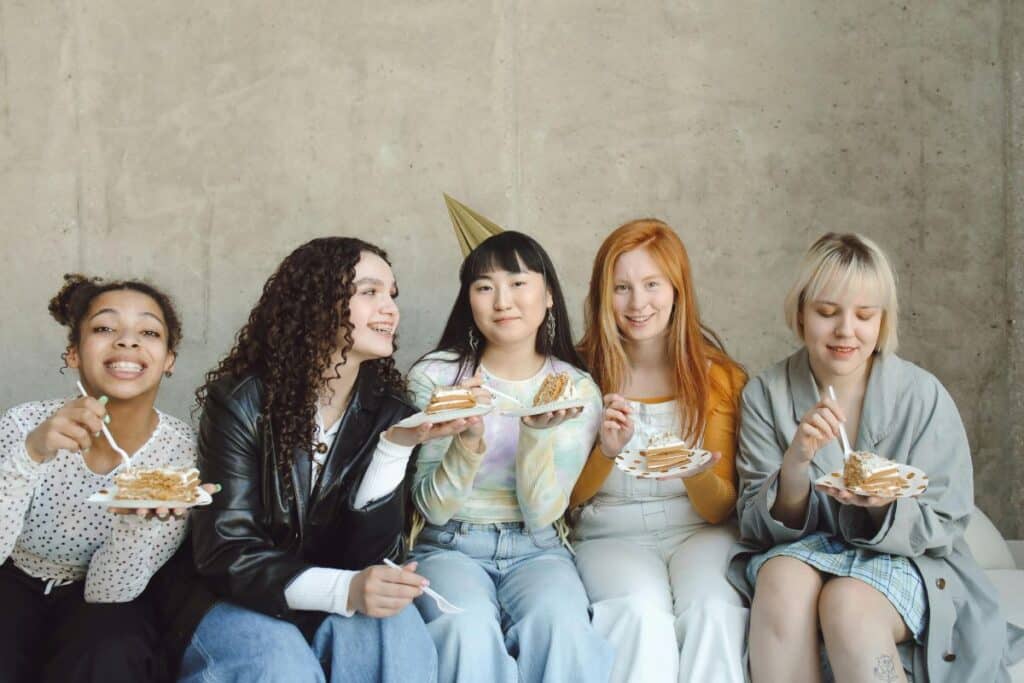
(527, 411)
(634, 464)
(108, 496)
(444, 416)
(915, 482)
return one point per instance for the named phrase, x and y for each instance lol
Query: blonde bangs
(837, 264)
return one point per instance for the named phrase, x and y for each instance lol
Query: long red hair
(693, 346)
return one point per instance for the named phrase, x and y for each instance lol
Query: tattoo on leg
(885, 669)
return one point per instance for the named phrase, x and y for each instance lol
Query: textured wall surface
(196, 143)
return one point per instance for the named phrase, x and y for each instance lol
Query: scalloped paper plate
(915, 482)
(635, 465)
(108, 496)
(527, 411)
(417, 419)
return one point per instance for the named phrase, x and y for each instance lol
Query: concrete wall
(196, 143)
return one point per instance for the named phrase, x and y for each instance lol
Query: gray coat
(909, 417)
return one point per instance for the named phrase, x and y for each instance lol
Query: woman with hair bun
(73, 574)
(875, 586)
(652, 552)
(298, 426)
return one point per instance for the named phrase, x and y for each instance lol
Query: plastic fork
(442, 602)
(106, 432)
(502, 395)
(842, 430)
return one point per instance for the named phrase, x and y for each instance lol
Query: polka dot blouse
(50, 532)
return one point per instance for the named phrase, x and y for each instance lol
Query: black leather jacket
(254, 539)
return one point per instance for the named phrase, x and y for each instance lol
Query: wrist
(608, 452)
(36, 456)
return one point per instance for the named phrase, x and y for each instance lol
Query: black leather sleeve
(231, 545)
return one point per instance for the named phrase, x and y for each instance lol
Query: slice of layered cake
(872, 474)
(450, 398)
(158, 484)
(665, 451)
(556, 387)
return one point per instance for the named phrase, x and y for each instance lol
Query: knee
(785, 597)
(407, 630)
(845, 611)
(472, 627)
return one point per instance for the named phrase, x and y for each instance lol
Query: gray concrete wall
(196, 143)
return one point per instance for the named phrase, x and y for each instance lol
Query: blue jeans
(236, 644)
(526, 612)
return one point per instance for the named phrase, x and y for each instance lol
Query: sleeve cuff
(321, 589)
(780, 532)
(24, 465)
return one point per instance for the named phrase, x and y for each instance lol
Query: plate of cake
(665, 456)
(447, 403)
(156, 487)
(557, 392)
(868, 474)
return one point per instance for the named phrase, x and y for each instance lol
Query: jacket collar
(877, 411)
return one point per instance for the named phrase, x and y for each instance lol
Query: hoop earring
(549, 326)
(169, 373)
(474, 341)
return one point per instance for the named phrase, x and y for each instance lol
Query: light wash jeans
(239, 645)
(526, 612)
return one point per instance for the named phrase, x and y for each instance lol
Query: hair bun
(75, 285)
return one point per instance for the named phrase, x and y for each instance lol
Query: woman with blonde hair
(888, 582)
(652, 553)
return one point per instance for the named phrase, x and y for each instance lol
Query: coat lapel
(353, 432)
(879, 407)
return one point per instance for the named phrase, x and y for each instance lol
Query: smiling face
(122, 352)
(841, 328)
(508, 308)
(373, 312)
(642, 296)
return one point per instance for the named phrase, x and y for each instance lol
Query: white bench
(1003, 562)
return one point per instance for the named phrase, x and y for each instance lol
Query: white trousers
(662, 600)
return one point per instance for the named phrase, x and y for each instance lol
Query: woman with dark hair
(298, 426)
(493, 494)
(73, 574)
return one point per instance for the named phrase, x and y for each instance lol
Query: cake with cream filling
(158, 484)
(665, 451)
(557, 386)
(450, 398)
(872, 474)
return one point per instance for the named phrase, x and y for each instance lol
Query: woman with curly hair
(298, 426)
(494, 494)
(73, 574)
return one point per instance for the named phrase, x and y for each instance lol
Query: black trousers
(60, 637)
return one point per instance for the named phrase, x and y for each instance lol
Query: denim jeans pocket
(546, 538)
(439, 536)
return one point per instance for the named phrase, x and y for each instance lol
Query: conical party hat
(470, 227)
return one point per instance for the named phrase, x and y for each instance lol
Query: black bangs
(510, 251)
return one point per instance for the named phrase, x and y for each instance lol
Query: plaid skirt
(894, 576)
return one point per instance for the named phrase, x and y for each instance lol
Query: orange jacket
(713, 492)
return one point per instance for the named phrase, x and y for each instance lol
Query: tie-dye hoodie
(524, 474)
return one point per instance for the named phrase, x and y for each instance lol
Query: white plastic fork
(842, 430)
(502, 394)
(106, 432)
(442, 602)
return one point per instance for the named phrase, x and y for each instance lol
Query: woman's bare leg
(861, 629)
(784, 622)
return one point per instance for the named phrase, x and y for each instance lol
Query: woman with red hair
(652, 552)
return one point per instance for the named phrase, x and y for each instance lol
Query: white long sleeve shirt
(50, 532)
(326, 589)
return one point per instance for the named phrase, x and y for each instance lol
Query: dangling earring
(474, 342)
(169, 373)
(549, 326)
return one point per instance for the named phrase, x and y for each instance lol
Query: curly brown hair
(70, 305)
(292, 334)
